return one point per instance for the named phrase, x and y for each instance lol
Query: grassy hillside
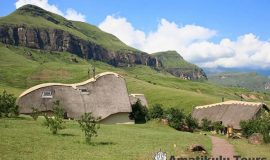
(171, 59)
(251, 81)
(114, 142)
(21, 68)
(35, 17)
(174, 63)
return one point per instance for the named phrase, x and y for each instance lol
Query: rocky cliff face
(59, 40)
(175, 64)
(33, 27)
(188, 73)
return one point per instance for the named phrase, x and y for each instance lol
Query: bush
(156, 111)
(139, 113)
(259, 125)
(175, 118)
(89, 126)
(55, 123)
(35, 113)
(191, 122)
(206, 125)
(8, 107)
(218, 127)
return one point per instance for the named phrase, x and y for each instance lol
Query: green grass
(24, 138)
(21, 68)
(245, 149)
(171, 59)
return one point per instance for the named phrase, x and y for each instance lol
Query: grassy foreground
(245, 149)
(24, 138)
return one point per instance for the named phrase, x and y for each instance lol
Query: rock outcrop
(188, 73)
(175, 64)
(59, 40)
(33, 27)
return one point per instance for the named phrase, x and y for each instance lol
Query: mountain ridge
(175, 64)
(34, 27)
(248, 80)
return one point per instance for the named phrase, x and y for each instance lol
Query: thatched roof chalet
(230, 112)
(105, 95)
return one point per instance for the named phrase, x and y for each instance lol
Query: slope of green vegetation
(35, 17)
(24, 138)
(21, 68)
(171, 59)
(251, 81)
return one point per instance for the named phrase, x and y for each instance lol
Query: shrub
(139, 112)
(206, 125)
(35, 113)
(259, 125)
(218, 127)
(55, 123)
(89, 125)
(156, 111)
(175, 117)
(191, 122)
(8, 107)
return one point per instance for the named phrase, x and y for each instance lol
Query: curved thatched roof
(135, 97)
(68, 85)
(229, 112)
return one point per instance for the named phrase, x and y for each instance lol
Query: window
(47, 94)
(84, 91)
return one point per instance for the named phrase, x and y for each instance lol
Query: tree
(89, 125)
(35, 113)
(139, 112)
(191, 122)
(206, 124)
(259, 125)
(55, 122)
(175, 117)
(8, 107)
(156, 111)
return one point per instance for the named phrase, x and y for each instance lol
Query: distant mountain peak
(33, 27)
(175, 64)
(31, 9)
(168, 53)
(248, 80)
(35, 11)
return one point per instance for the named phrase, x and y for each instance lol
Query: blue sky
(230, 18)
(209, 33)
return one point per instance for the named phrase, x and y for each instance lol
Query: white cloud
(193, 42)
(249, 52)
(123, 30)
(170, 36)
(70, 13)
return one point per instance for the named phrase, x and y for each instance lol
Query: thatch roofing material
(135, 97)
(231, 102)
(229, 112)
(75, 85)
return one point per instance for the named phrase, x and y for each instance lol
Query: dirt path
(220, 147)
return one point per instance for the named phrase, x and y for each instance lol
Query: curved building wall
(117, 118)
